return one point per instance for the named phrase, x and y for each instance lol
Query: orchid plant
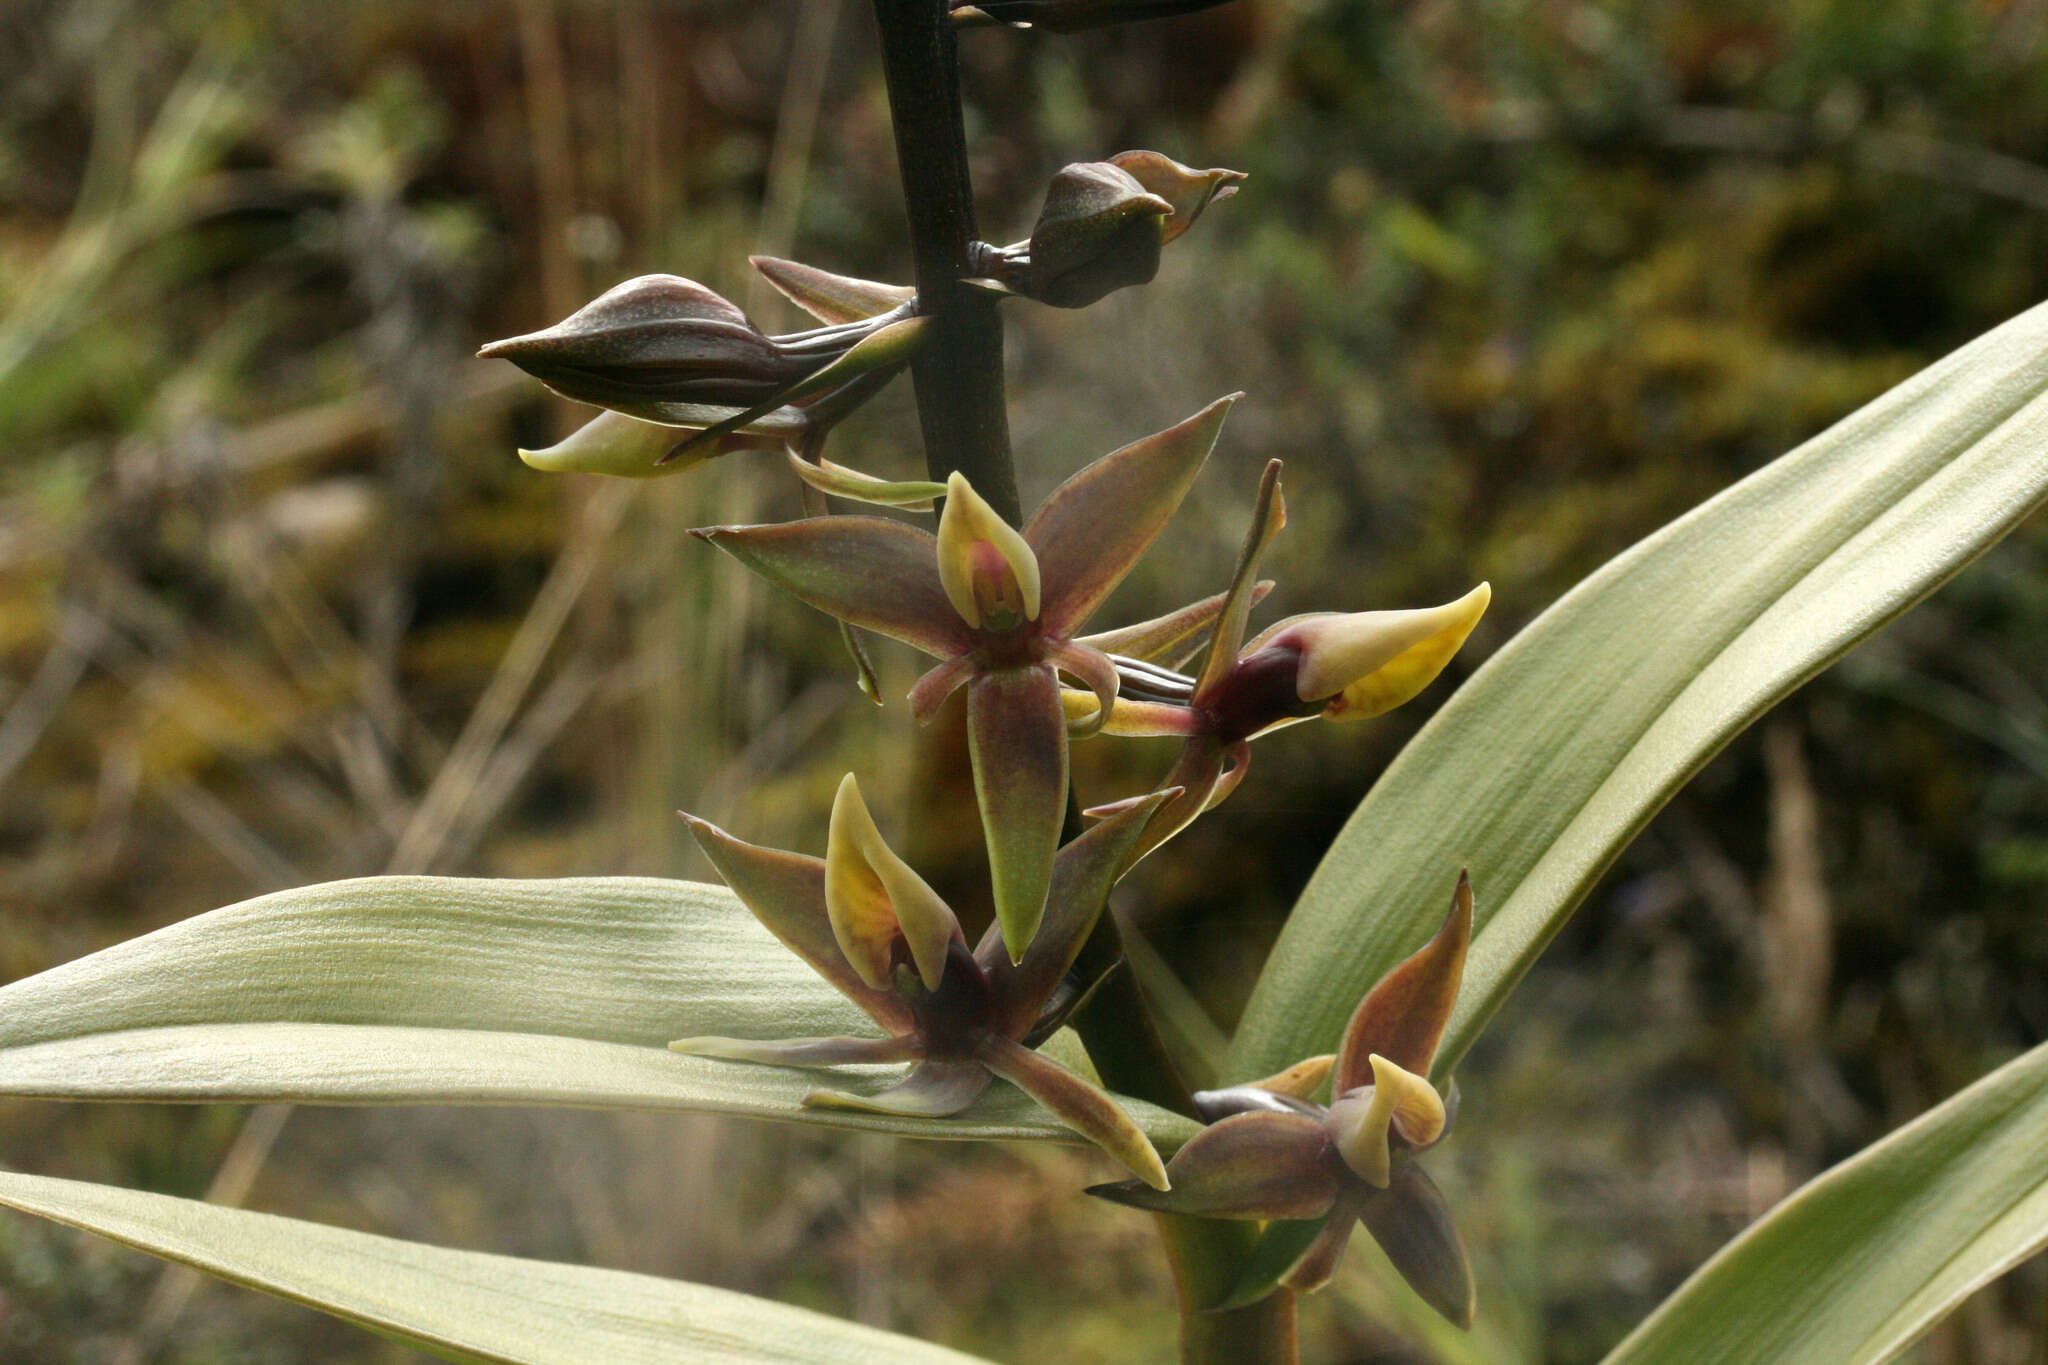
(683, 995)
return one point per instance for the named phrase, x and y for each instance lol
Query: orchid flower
(1271, 1152)
(1344, 666)
(874, 928)
(1000, 608)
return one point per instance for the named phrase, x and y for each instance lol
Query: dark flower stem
(961, 408)
(959, 372)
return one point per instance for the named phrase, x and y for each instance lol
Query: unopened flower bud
(650, 344)
(1099, 231)
(1364, 663)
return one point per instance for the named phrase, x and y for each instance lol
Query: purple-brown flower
(1000, 609)
(872, 927)
(1271, 1152)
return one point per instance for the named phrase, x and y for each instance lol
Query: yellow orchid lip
(1363, 1122)
(989, 571)
(873, 897)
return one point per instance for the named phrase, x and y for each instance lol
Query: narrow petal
(1217, 1105)
(990, 574)
(1082, 874)
(1403, 1017)
(933, 1090)
(615, 444)
(1364, 1122)
(872, 895)
(1093, 667)
(1412, 1224)
(800, 1051)
(1319, 1262)
(1128, 718)
(1017, 742)
(786, 892)
(829, 297)
(1366, 663)
(929, 692)
(1098, 523)
(870, 572)
(1074, 1102)
(1164, 639)
(841, 482)
(1247, 1166)
(1303, 1079)
(1269, 514)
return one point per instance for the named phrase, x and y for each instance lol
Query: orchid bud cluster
(684, 375)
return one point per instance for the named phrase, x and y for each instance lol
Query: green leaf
(1859, 1263)
(410, 990)
(1550, 759)
(467, 1305)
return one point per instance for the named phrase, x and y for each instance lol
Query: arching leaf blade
(1857, 1264)
(468, 1305)
(416, 990)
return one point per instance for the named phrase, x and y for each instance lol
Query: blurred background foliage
(1513, 283)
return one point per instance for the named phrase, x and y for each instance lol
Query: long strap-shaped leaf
(1857, 1264)
(407, 990)
(466, 1305)
(1550, 759)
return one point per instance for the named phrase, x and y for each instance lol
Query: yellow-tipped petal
(871, 896)
(1397, 1099)
(986, 566)
(1369, 662)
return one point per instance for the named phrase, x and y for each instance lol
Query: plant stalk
(959, 371)
(958, 376)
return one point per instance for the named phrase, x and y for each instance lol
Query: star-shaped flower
(1271, 1152)
(873, 928)
(1000, 608)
